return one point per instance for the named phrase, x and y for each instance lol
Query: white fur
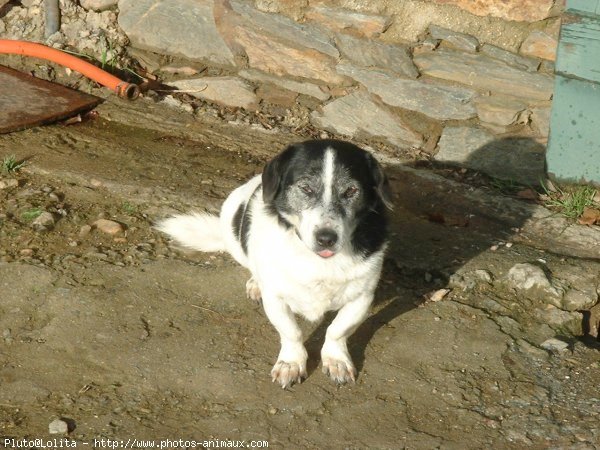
(199, 231)
(292, 280)
(328, 169)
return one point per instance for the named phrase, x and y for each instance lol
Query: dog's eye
(350, 192)
(307, 190)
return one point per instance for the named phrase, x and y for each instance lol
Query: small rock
(510, 58)
(580, 299)
(9, 183)
(532, 279)
(26, 252)
(459, 40)
(173, 102)
(272, 411)
(554, 345)
(341, 19)
(501, 110)
(301, 87)
(98, 5)
(277, 96)
(44, 222)
(438, 295)
(567, 322)
(470, 280)
(53, 196)
(58, 426)
(527, 348)
(228, 91)
(541, 45)
(540, 118)
(7, 335)
(108, 226)
(85, 230)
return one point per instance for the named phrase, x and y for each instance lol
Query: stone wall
(450, 77)
(464, 81)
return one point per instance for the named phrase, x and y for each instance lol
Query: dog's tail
(198, 231)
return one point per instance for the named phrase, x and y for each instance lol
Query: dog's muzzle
(326, 238)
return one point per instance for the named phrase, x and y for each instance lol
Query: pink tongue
(325, 253)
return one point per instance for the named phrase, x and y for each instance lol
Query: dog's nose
(326, 237)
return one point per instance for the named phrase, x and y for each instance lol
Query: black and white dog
(312, 231)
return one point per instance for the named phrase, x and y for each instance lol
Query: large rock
(434, 100)
(482, 72)
(301, 87)
(177, 27)
(276, 44)
(371, 53)
(520, 10)
(516, 159)
(228, 91)
(340, 19)
(357, 114)
(283, 28)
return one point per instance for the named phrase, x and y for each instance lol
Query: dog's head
(325, 190)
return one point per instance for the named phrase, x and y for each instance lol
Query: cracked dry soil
(128, 337)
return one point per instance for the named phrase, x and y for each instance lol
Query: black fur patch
(371, 232)
(237, 221)
(242, 219)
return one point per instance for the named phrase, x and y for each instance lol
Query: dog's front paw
(253, 290)
(287, 373)
(340, 371)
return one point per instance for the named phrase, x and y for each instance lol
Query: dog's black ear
(276, 171)
(382, 185)
(271, 179)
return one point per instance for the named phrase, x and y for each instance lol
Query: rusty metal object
(26, 101)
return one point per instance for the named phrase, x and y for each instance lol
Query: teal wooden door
(573, 152)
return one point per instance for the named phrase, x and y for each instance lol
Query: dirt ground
(125, 337)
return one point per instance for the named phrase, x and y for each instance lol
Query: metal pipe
(52, 24)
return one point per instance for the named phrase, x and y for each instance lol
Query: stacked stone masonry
(476, 96)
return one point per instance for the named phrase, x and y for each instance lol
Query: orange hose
(24, 48)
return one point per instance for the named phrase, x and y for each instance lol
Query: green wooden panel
(578, 53)
(588, 6)
(573, 152)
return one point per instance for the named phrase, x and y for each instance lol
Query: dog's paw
(341, 372)
(253, 290)
(287, 373)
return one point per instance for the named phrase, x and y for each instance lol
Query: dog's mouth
(326, 253)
